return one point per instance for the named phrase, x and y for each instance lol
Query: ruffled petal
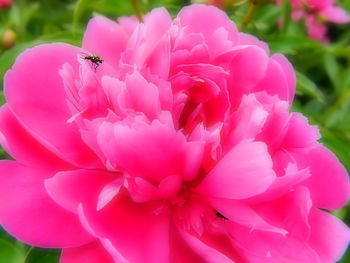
(282, 184)
(279, 79)
(180, 251)
(246, 122)
(243, 214)
(260, 246)
(192, 16)
(152, 151)
(105, 38)
(245, 75)
(149, 42)
(289, 212)
(298, 125)
(207, 253)
(276, 126)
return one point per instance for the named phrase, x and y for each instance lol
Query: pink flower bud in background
(316, 13)
(5, 3)
(218, 3)
(8, 38)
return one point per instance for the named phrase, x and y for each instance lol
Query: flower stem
(27, 254)
(135, 4)
(248, 17)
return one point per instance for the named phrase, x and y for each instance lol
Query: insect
(221, 216)
(95, 60)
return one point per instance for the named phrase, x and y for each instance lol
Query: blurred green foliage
(323, 71)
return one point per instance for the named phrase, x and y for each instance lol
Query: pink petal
(276, 126)
(109, 192)
(146, 39)
(28, 213)
(330, 237)
(282, 184)
(170, 185)
(329, 182)
(297, 14)
(180, 251)
(279, 79)
(150, 43)
(106, 39)
(244, 75)
(148, 103)
(247, 39)
(152, 151)
(316, 30)
(22, 146)
(299, 133)
(289, 74)
(71, 188)
(35, 94)
(192, 160)
(157, 22)
(335, 14)
(243, 214)
(135, 233)
(159, 60)
(141, 190)
(259, 246)
(191, 17)
(245, 171)
(246, 122)
(129, 23)
(91, 253)
(218, 42)
(289, 212)
(207, 253)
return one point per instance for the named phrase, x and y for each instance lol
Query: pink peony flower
(166, 141)
(316, 13)
(5, 3)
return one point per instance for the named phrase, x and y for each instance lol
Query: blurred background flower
(5, 3)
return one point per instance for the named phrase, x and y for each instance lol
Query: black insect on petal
(221, 216)
(95, 60)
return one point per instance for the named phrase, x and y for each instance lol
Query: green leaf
(8, 57)
(332, 69)
(294, 44)
(338, 144)
(339, 111)
(306, 86)
(81, 7)
(341, 214)
(40, 255)
(286, 14)
(9, 253)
